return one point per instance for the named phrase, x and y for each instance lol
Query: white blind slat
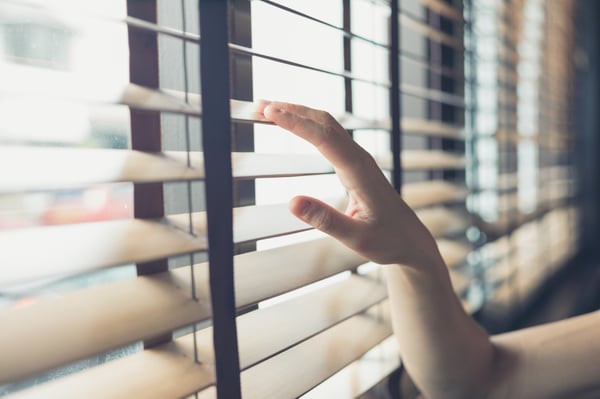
(295, 320)
(159, 373)
(337, 347)
(69, 249)
(63, 168)
(426, 193)
(95, 320)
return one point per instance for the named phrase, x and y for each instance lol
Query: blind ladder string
(189, 165)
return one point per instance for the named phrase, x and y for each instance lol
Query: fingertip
(271, 111)
(274, 109)
(260, 105)
(300, 207)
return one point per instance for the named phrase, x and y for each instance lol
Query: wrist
(429, 274)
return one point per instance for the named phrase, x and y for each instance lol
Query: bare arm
(445, 352)
(556, 360)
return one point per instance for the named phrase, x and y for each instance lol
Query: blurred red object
(90, 205)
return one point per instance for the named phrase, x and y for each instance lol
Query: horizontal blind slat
(251, 223)
(432, 128)
(69, 167)
(361, 375)
(263, 221)
(422, 194)
(120, 242)
(353, 122)
(260, 275)
(62, 168)
(320, 357)
(123, 313)
(66, 87)
(164, 372)
(453, 252)
(312, 314)
(430, 159)
(295, 320)
(444, 8)
(433, 95)
(70, 249)
(430, 32)
(423, 160)
(442, 221)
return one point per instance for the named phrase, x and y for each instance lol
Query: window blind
(522, 133)
(209, 287)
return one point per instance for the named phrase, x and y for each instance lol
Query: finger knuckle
(328, 118)
(322, 221)
(293, 122)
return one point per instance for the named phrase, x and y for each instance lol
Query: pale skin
(446, 353)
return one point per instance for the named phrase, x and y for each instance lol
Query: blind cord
(189, 182)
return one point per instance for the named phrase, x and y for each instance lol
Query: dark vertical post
(148, 200)
(240, 32)
(588, 142)
(395, 95)
(347, 25)
(145, 125)
(216, 127)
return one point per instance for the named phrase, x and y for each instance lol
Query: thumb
(324, 217)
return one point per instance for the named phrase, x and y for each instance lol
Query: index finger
(300, 110)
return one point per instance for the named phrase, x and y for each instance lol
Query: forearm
(444, 351)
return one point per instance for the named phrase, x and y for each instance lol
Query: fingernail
(273, 109)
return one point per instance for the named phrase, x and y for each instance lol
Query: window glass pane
(276, 81)
(370, 101)
(282, 34)
(370, 62)
(370, 20)
(328, 11)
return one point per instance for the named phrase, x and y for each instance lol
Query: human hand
(377, 223)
